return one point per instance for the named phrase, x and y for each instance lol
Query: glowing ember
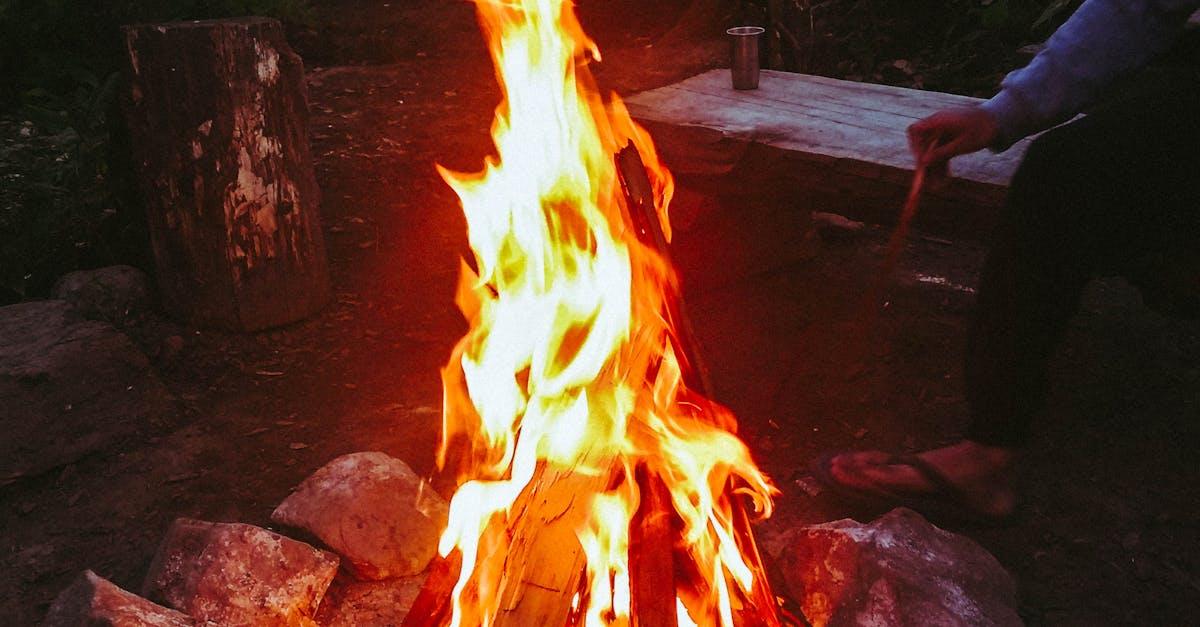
(570, 368)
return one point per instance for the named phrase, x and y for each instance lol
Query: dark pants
(1115, 193)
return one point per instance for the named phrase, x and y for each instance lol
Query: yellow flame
(570, 361)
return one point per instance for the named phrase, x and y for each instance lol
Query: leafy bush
(53, 44)
(65, 201)
(960, 46)
(67, 198)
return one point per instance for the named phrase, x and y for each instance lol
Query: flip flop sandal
(946, 504)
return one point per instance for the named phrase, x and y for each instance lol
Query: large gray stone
(68, 387)
(896, 571)
(116, 294)
(239, 575)
(373, 510)
(93, 601)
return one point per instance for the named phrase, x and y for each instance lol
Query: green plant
(67, 198)
(961, 46)
(64, 205)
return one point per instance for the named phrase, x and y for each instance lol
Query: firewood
(544, 564)
(761, 606)
(651, 556)
(431, 608)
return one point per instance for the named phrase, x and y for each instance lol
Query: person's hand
(949, 133)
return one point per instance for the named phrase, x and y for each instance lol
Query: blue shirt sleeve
(1102, 41)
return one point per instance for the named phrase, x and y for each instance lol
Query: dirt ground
(1109, 532)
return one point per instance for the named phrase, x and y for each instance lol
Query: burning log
(596, 486)
(220, 132)
(652, 556)
(432, 605)
(544, 563)
(639, 196)
(544, 566)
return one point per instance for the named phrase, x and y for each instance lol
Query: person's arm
(1102, 41)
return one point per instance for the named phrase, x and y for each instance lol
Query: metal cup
(744, 64)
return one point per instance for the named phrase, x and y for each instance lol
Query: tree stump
(219, 122)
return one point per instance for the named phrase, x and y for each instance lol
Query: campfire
(597, 482)
(597, 485)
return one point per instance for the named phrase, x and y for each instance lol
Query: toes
(861, 459)
(853, 468)
(876, 471)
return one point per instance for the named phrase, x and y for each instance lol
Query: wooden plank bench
(840, 143)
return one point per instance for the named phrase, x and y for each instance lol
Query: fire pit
(598, 483)
(595, 485)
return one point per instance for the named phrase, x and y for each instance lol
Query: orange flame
(570, 361)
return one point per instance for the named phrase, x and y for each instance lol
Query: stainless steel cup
(744, 63)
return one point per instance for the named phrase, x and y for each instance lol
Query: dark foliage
(959, 46)
(66, 198)
(66, 191)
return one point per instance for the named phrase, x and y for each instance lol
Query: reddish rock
(69, 387)
(378, 603)
(93, 601)
(373, 510)
(116, 294)
(897, 571)
(235, 574)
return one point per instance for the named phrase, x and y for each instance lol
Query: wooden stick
(895, 247)
(644, 215)
(761, 608)
(652, 541)
(432, 605)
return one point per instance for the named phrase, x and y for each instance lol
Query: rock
(95, 601)
(68, 387)
(897, 571)
(382, 603)
(116, 294)
(234, 574)
(373, 510)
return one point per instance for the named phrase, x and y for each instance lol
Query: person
(1115, 192)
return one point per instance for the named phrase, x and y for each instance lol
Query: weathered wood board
(845, 138)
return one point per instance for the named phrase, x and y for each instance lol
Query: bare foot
(981, 475)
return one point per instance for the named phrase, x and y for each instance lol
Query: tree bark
(219, 121)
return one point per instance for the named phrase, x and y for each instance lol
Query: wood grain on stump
(219, 122)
